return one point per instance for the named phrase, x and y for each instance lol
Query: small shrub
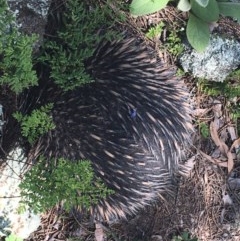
(201, 14)
(36, 124)
(174, 44)
(16, 66)
(72, 183)
(156, 31)
(76, 42)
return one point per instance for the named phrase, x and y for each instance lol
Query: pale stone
(220, 58)
(23, 224)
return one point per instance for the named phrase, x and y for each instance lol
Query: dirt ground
(205, 205)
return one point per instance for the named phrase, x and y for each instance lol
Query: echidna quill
(132, 123)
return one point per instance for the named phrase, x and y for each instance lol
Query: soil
(198, 207)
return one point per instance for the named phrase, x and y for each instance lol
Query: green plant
(76, 42)
(73, 183)
(225, 88)
(36, 124)
(229, 89)
(235, 75)
(180, 72)
(16, 66)
(174, 44)
(156, 31)
(143, 7)
(201, 14)
(235, 111)
(185, 236)
(204, 129)
(13, 237)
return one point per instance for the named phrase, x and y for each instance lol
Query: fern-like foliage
(16, 66)
(71, 183)
(36, 124)
(76, 42)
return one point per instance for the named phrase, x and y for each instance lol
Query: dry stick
(11, 197)
(80, 223)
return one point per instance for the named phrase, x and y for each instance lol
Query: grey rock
(31, 16)
(11, 221)
(220, 58)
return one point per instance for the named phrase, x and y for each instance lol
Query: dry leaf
(214, 134)
(230, 161)
(205, 177)
(217, 108)
(222, 215)
(235, 144)
(227, 199)
(99, 233)
(214, 160)
(231, 130)
(222, 146)
(200, 112)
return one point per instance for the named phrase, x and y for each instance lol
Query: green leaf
(155, 32)
(185, 236)
(210, 13)
(203, 3)
(230, 9)
(73, 183)
(142, 7)
(198, 33)
(184, 5)
(36, 124)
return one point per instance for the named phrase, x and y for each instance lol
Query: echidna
(131, 123)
